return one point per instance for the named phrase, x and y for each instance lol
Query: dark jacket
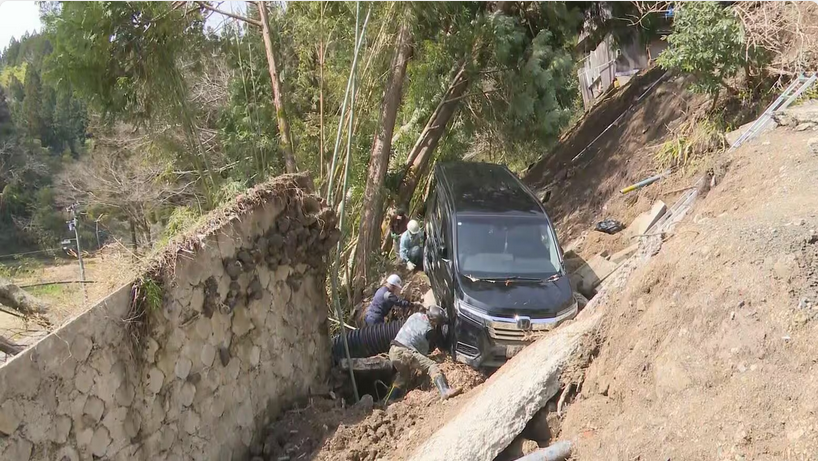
(399, 223)
(382, 304)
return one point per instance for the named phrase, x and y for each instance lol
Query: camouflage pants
(406, 361)
(396, 238)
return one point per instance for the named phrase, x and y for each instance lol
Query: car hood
(530, 298)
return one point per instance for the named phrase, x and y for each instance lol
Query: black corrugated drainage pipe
(367, 341)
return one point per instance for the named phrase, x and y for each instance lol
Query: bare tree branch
(788, 31)
(230, 15)
(645, 9)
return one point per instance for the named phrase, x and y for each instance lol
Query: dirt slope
(587, 190)
(711, 351)
(326, 429)
(706, 353)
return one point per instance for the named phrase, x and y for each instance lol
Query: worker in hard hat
(409, 352)
(410, 245)
(384, 300)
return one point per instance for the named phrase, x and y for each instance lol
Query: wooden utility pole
(285, 143)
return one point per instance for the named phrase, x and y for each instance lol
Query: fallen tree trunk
(420, 155)
(10, 348)
(20, 300)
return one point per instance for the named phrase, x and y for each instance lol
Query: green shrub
(708, 42)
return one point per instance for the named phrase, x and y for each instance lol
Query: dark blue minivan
(494, 262)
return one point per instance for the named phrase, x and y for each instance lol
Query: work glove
(411, 266)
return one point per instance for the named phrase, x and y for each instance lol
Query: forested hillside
(43, 127)
(147, 118)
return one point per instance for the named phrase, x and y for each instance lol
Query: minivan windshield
(499, 247)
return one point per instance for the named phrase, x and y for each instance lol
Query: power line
(28, 253)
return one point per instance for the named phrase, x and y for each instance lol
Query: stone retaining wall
(231, 329)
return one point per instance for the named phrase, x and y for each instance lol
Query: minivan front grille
(514, 330)
(468, 350)
(510, 332)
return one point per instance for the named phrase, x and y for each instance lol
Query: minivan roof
(483, 187)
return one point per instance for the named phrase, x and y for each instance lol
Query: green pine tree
(16, 91)
(32, 103)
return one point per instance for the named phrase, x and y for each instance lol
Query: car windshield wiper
(554, 277)
(520, 278)
(504, 279)
(474, 278)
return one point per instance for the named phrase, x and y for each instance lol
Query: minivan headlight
(574, 304)
(469, 312)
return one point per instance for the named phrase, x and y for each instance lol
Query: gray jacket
(415, 333)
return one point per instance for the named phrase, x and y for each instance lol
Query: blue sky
(19, 17)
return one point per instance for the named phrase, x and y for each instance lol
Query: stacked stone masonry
(241, 333)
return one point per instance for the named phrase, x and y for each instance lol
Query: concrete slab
(591, 273)
(646, 220)
(624, 254)
(573, 264)
(732, 136)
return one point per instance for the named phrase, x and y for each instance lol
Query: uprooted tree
(8, 347)
(21, 301)
(26, 305)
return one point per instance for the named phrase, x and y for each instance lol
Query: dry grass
(692, 139)
(162, 262)
(786, 30)
(109, 268)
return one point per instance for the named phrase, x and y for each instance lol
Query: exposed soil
(328, 429)
(711, 350)
(586, 191)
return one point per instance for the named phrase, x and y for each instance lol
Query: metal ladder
(790, 94)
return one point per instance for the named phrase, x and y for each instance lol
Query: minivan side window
(444, 232)
(430, 213)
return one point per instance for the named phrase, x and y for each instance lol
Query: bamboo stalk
(335, 272)
(358, 43)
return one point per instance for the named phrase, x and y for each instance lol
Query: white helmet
(413, 226)
(395, 281)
